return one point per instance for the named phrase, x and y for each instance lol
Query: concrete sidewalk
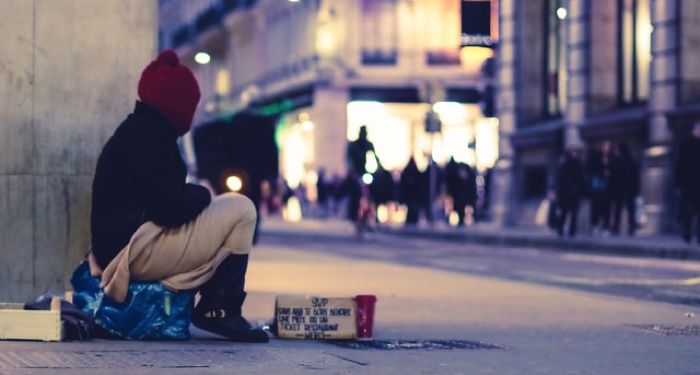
(544, 329)
(662, 246)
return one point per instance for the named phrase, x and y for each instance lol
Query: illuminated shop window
(388, 128)
(398, 132)
(295, 137)
(634, 49)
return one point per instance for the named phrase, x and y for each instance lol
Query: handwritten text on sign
(304, 317)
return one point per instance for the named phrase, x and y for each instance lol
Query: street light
(202, 58)
(234, 183)
(562, 13)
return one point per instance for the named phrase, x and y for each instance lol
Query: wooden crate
(19, 324)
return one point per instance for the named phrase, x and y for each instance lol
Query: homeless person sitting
(148, 224)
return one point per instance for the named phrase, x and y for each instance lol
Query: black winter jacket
(625, 179)
(140, 177)
(570, 180)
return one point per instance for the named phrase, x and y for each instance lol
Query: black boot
(219, 309)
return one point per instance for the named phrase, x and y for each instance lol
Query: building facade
(587, 71)
(327, 67)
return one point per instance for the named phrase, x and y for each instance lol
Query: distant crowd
(606, 174)
(609, 176)
(432, 193)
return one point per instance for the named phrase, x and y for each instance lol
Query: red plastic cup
(365, 316)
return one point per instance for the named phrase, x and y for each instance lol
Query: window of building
(180, 36)
(379, 32)
(435, 31)
(688, 29)
(634, 50)
(555, 77)
(476, 18)
(478, 34)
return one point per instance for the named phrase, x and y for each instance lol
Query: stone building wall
(652, 126)
(68, 74)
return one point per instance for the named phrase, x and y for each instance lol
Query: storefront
(398, 132)
(397, 128)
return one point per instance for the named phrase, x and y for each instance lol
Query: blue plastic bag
(150, 311)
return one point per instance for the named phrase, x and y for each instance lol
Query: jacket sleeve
(169, 201)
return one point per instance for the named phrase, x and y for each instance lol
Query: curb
(581, 245)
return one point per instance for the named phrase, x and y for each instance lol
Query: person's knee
(241, 205)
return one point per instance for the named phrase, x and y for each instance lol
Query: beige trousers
(184, 257)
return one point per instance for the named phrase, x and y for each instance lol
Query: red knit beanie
(171, 89)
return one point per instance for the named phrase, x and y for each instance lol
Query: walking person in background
(624, 188)
(598, 173)
(356, 154)
(323, 193)
(570, 184)
(431, 189)
(484, 193)
(472, 191)
(460, 184)
(356, 157)
(456, 186)
(336, 195)
(382, 187)
(687, 182)
(351, 188)
(410, 186)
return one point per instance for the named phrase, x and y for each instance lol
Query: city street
(543, 311)
(674, 281)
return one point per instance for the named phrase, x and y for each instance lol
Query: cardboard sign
(310, 317)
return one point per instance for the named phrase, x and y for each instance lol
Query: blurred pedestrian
(472, 189)
(455, 186)
(687, 182)
(484, 193)
(570, 186)
(431, 189)
(410, 187)
(148, 224)
(367, 211)
(351, 188)
(356, 153)
(382, 187)
(460, 185)
(323, 193)
(624, 188)
(336, 194)
(356, 158)
(598, 165)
